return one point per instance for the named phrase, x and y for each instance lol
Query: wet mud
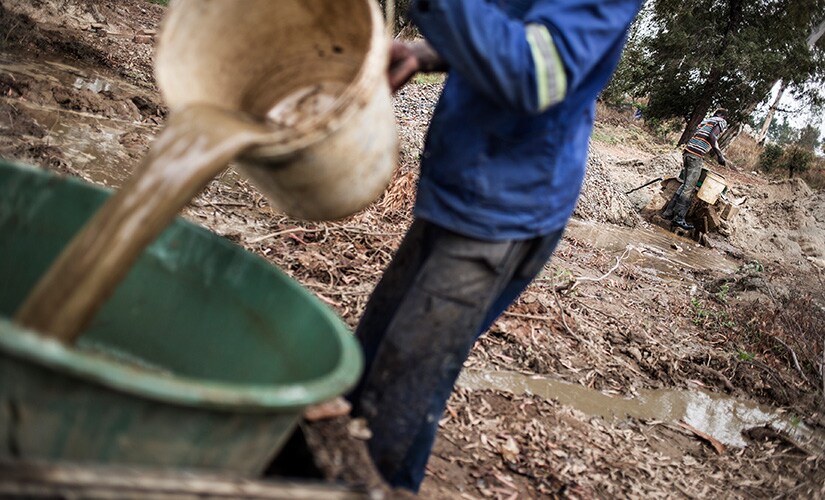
(726, 419)
(666, 318)
(663, 252)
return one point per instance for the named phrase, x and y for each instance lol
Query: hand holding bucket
(314, 71)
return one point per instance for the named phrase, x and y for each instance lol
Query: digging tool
(645, 185)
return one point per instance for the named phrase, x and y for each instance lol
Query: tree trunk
(733, 133)
(701, 108)
(816, 34)
(735, 130)
(766, 125)
(730, 135)
(717, 71)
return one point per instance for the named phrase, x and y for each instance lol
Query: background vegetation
(686, 57)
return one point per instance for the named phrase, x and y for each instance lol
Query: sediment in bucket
(204, 357)
(314, 70)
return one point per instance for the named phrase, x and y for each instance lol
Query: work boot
(681, 222)
(668, 212)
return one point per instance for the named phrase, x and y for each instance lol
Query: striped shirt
(710, 129)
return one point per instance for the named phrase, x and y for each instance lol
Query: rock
(358, 429)
(678, 231)
(714, 219)
(820, 263)
(635, 162)
(729, 211)
(337, 407)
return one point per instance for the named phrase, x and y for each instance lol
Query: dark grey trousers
(439, 294)
(678, 206)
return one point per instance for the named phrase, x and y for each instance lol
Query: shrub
(797, 160)
(770, 158)
(815, 177)
(616, 113)
(793, 330)
(793, 159)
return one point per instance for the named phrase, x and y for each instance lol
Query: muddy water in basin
(197, 144)
(718, 415)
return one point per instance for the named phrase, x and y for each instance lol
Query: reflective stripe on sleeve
(551, 80)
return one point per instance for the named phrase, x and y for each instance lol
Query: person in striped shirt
(703, 141)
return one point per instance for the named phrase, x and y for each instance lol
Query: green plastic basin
(204, 357)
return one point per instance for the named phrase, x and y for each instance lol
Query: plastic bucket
(315, 70)
(713, 185)
(205, 356)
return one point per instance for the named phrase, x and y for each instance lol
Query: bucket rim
(28, 346)
(278, 145)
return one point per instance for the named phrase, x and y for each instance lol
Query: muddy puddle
(664, 254)
(718, 415)
(93, 144)
(104, 148)
(65, 74)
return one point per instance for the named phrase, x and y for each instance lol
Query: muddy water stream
(718, 415)
(92, 144)
(668, 256)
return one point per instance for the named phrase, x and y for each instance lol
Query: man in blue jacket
(500, 175)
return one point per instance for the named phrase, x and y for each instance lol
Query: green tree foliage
(783, 133)
(770, 157)
(808, 138)
(798, 160)
(693, 55)
(793, 159)
(636, 64)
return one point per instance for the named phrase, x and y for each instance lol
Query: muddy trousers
(439, 294)
(678, 206)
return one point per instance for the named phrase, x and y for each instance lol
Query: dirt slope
(622, 309)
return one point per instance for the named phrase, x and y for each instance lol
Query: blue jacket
(506, 152)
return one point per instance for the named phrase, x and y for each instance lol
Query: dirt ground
(624, 309)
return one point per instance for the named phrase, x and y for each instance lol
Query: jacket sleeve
(524, 65)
